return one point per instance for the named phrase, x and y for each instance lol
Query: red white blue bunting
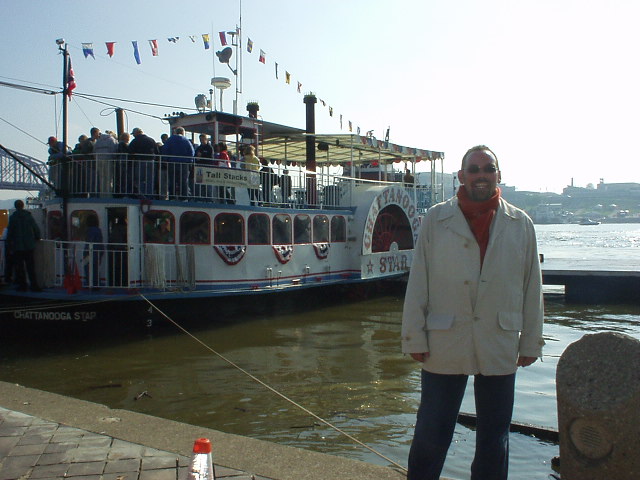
(322, 250)
(231, 254)
(284, 253)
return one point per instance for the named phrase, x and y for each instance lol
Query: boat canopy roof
(284, 143)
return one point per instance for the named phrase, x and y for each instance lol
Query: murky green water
(341, 362)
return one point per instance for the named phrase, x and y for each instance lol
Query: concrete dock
(49, 436)
(595, 286)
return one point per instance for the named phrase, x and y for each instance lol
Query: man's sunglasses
(486, 169)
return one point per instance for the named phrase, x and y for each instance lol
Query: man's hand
(420, 357)
(526, 361)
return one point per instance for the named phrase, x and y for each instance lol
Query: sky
(551, 86)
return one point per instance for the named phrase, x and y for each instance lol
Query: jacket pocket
(510, 320)
(439, 321)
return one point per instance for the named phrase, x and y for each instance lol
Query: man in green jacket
(21, 241)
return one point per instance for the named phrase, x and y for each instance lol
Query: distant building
(550, 213)
(603, 189)
(619, 188)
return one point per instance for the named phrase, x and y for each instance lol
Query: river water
(342, 362)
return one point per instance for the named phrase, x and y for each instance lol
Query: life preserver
(145, 205)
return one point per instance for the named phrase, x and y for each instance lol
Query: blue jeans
(436, 421)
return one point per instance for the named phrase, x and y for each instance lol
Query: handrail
(121, 175)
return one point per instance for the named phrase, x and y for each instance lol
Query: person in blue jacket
(179, 153)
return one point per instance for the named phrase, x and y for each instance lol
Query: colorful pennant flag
(87, 49)
(323, 103)
(173, 39)
(223, 39)
(276, 69)
(136, 53)
(205, 40)
(154, 47)
(249, 45)
(263, 56)
(350, 126)
(110, 48)
(71, 79)
(340, 121)
(287, 76)
(299, 87)
(193, 38)
(331, 111)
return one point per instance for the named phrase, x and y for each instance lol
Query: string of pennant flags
(89, 51)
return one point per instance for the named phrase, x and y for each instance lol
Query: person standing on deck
(104, 149)
(179, 152)
(204, 157)
(473, 306)
(21, 241)
(252, 163)
(143, 152)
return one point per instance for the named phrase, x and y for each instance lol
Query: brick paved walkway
(33, 448)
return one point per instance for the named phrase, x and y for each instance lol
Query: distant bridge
(14, 176)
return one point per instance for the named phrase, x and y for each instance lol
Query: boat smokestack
(310, 101)
(253, 108)
(312, 194)
(120, 121)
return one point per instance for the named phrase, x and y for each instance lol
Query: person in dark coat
(93, 251)
(21, 241)
(143, 151)
(268, 179)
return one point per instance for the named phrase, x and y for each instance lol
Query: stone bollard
(598, 390)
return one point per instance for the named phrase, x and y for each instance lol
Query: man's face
(479, 183)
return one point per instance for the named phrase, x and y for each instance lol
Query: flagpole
(65, 98)
(240, 46)
(62, 188)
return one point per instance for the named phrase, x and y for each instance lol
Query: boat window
(320, 229)
(54, 225)
(79, 224)
(195, 228)
(258, 229)
(302, 229)
(158, 226)
(281, 229)
(338, 229)
(228, 229)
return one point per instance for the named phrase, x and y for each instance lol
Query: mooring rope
(269, 387)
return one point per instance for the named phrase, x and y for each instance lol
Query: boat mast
(62, 188)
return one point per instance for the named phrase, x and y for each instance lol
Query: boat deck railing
(96, 266)
(155, 178)
(112, 268)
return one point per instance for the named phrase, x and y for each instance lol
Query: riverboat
(324, 211)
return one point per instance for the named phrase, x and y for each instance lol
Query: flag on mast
(263, 56)
(205, 40)
(71, 79)
(223, 39)
(110, 48)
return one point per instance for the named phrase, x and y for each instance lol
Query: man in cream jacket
(473, 306)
